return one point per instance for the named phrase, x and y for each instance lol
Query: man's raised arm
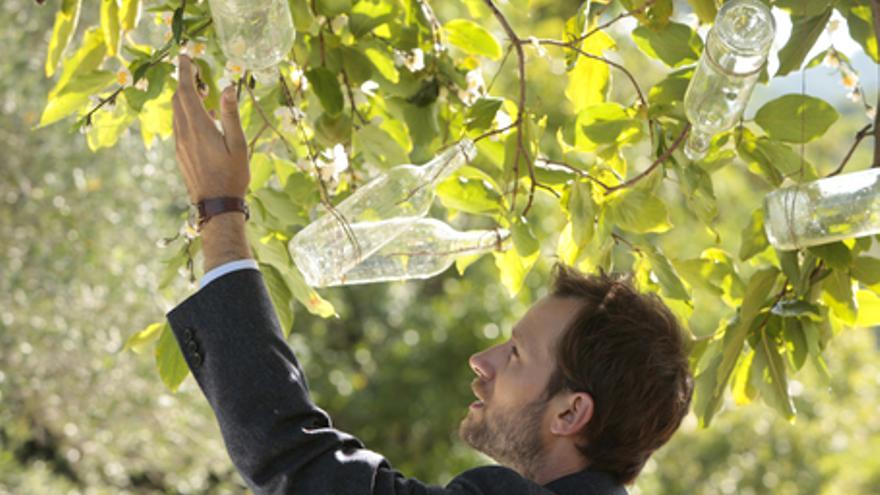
(231, 339)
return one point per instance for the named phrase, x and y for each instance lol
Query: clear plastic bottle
(254, 34)
(374, 214)
(823, 211)
(736, 50)
(428, 247)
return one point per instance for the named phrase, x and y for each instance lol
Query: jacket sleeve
(277, 438)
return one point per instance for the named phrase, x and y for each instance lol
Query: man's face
(509, 422)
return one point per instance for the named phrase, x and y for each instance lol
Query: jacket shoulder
(495, 480)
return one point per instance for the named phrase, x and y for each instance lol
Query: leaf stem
(862, 134)
(662, 158)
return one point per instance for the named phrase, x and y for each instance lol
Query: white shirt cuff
(232, 266)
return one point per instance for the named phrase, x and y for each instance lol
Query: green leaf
(368, 15)
(605, 124)
(859, 19)
(110, 25)
(169, 360)
(383, 63)
(156, 76)
(796, 118)
(303, 20)
(674, 44)
(177, 25)
(744, 391)
(804, 33)
(866, 270)
(773, 383)
(156, 117)
(581, 213)
(472, 38)
(797, 308)
(705, 10)
(332, 8)
(280, 295)
(669, 281)
(326, 86)
(378, 147)
(836, 255)
(313, 302)
(357, 65)
(469, 195)
(481, 114)
(804, 7)
(66, 20)
(75, 96)
(107, 126)
(869, 309)
(637, 210)
(139, 341)
(795, 342)
(130, 14)
(839, 295)
(515, 264)
(757, 291)
(588, 80)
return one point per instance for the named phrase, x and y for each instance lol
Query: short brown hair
(626, 350)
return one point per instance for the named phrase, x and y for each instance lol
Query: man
(593, 380)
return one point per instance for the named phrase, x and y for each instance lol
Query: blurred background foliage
(80, 273)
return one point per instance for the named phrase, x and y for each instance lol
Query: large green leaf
(839, 295)
(637, 210)
(674, 44)
(326, 86)
(469, 195)
(581, 212)
(757, 292)
(130, 14)
(139, 341)
(169, 360)
(108, 125)
(78, 70)
(860, 21)
(515, 264)
(771, 376)
(804, 33)
(753, 238)
(472, 38)
(804, 7)
(110, 25)
(796, 118)
(705, 9)
(281, 297)
(588, 80)
(66, 20)
(605, 124)
(481, 114)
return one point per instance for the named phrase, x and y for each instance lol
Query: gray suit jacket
(277, 438)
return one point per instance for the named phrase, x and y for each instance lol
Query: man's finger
(232, 130)
(189, 94)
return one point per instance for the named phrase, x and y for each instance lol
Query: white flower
(143, 84)
(542, 52)
(502, 120)
(831, 59)
(123, 76)
(476, 87)
(833, 25)
(369, 88)
(871, 113)
(298, 78)
(231, 73)
(194, 49)
(850, 80)
(855, 95)
(414, 60)
(332, 163)
(339, 22)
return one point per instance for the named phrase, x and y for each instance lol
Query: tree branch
(578, 171)
(862, 134)
(608, 24)
(521, 109)
(662, 158)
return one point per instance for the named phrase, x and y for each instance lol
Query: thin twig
(612, 21)
(521, 109)
(629, 75)
(620, 239)
(662, 158)
(253, 144)
(493, 132)
(354, 109)
(862, 134)
(578, 171)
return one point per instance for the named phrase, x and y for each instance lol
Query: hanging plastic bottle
(736, 50)
(427, 248)
(254, 34)
(823, 211)
(372, 216)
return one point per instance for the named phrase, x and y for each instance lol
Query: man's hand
(213, 164)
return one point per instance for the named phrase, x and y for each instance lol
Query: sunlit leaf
(472, 38)
(169, 360)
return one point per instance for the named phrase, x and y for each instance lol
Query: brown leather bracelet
(208, 208)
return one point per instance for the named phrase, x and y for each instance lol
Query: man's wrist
(224, 240)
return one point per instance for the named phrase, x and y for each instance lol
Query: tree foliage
(561, 158)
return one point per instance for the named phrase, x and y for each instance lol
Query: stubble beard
(512, 438)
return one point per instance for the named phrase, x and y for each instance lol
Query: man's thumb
(231, 121)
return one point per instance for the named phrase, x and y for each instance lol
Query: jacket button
(196, 359)
(187, 333)
(192, 346)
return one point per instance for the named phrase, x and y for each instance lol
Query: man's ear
(573, 411)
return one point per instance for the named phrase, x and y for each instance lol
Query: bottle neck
(447, 162)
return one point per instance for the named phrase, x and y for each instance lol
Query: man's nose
(480, 364)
